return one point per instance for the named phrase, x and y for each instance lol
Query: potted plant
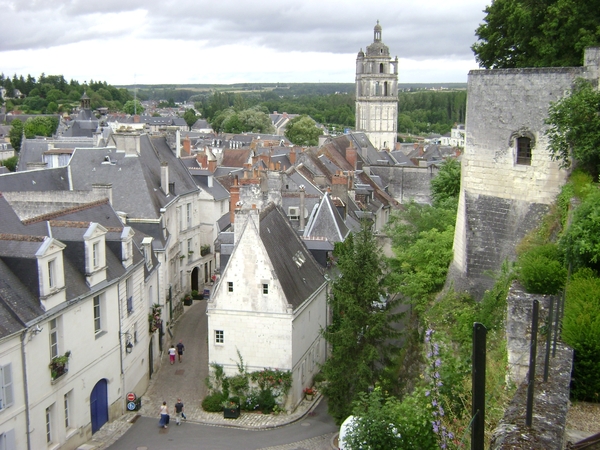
(196, 295)
(58, 366)
(309, 393)
(231, 410)
(204, 250)
(187, 300)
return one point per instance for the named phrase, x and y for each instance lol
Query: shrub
(266, 401)
(581, 330)
(213, 402)
(541, 270)
(238, 384)
(251, 403)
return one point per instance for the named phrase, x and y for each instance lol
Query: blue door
(99, 405)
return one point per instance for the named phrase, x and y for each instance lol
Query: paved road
(314, 432)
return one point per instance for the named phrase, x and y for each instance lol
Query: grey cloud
(412, 30)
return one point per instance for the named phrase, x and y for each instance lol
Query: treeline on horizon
(422, 108)
(51, 94)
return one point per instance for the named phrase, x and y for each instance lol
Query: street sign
(131, 406)
(131, 397)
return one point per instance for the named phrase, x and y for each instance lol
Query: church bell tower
(377, 93)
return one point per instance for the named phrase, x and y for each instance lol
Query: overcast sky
(231, 41)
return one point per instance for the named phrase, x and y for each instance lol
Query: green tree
(256, 121)
(10, 163)
(446, 184)
(40, 126)
(303, 130)
(574, 132)
(190, 117)
(525, 33)
(133, 108)
(581, 241)
(16, 134)
(361, 333)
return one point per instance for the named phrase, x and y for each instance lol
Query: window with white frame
(190, 249)
(6, 386)
(96, 254)
(67, 406)
(49, 424)
(97, 314)
(51, 273)
(7, 440)
(188, 212)
(53, 325)
(219, 337)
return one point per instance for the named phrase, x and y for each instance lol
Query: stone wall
(407, 183)
(551, 398)
(501, 199)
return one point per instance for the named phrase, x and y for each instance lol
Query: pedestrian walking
(179, 414)
(164, 415)
(172, 353)
(180, 349)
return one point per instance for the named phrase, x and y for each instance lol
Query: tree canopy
(361, 333)
(16, 134)
(574, 132)
(526, 33)
(40, 126)
(303, 130)
(190, 117)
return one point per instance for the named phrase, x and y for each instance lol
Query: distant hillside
(183, 92)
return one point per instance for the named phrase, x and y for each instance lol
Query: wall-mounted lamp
(36, 330)
(129, 345)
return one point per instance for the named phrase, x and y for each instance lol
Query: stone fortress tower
(508, 177)
(377, 93)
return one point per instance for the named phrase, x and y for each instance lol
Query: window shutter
(9, 437)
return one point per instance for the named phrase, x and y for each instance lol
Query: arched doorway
(99, 405)
(194, 279)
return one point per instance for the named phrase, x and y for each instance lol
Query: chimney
(234, 198)
(187, 146)
(147, 245)
(136, 119)
(351, 155)
(178, 143)
(293, 156)
(164, 177)
(210, 181)
(302, 196)
(103, 190)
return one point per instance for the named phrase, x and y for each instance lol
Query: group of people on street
(176, 351)
(164, 409)
(165, 417)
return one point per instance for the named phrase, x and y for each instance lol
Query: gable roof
(326, 222)
(299, 274)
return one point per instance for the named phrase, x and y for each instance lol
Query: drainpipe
(25, 388)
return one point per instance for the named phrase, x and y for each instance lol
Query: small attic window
(299, 258)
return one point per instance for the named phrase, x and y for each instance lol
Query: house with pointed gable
(270, 302)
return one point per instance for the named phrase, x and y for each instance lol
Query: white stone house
(69, 286)
(270, 302)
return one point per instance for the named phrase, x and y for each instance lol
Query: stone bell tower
(377, 93)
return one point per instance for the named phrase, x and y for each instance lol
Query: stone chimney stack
(234, 198)
(147, 246)
(103, 190)
(178, 143)
(187, 146)
(293, 156)
(164, 177)
(351, 155)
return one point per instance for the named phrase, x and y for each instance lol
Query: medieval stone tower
(377, 93)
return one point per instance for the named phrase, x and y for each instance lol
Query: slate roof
(54, 179)
(326, 223)
(298, 283)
